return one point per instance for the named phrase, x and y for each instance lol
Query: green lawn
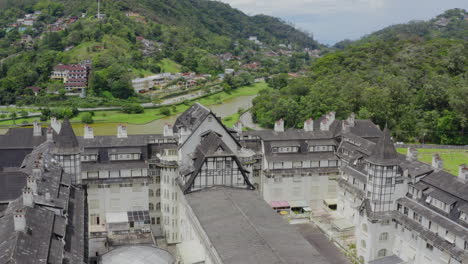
(154, 114)
(229, 121)
(81, 52)
(168, 65)
(452, 158)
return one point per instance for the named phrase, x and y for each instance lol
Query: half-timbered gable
(215, 164)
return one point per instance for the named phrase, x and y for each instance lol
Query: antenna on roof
(98, 9)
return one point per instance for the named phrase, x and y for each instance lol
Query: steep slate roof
(66, 140)
(242, 228)
(191, 118)
(384, 152)
(11, 184)
(21, 138)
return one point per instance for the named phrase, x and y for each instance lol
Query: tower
(67, 151)
(384, 185)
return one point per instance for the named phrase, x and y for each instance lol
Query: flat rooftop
(243, 228)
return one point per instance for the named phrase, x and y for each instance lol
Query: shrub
(165, 111)
(87, 118)
(133, 109)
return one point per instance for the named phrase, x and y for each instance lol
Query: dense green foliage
(418, 86)
(188, 32)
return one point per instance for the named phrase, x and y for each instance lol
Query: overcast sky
(333, 20)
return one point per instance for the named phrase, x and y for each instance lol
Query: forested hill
(136, 38)
(418, 85)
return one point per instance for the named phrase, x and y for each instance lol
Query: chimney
(331, 117)
(88, 132)
(168, 131)
(345, 126)
(309, 125)
(437, 162)
(55, 124)
(325, 124)
(463, 172)
(19, 220)
(37, 131)
(31, 184)
(279, 125)
(47, 196)
(28, 197)
(36, 172)
(351, 120)
(238, 127)
(122, 131)
(50, 134)
(412, 154)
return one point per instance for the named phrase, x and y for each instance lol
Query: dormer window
(285, 149)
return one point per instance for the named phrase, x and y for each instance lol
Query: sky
(331, 21)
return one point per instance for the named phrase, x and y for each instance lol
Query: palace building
(214, 192)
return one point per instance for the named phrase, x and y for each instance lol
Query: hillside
(416, 85)
(134, 39)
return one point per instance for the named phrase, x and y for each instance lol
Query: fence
(427, 146)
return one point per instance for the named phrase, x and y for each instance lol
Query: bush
(133, 109)
(87, 118)
(24, 113)
(165, 111)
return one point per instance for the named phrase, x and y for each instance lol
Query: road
(247, 121)
(323, 245)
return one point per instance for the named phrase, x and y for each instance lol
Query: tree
(24, 113)
(13, 115)
(87, 118)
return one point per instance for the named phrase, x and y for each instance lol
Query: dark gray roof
(290, 134)
(415, 168)
(114, 141)
(115, 165)
(11, 185)
(384, 152)
(13, 157)
(66, 141)
(442, 196)
(448, 183)
(365, 129)
(21, 138)
(243, 228)
(393, 259)
(124, 150)
(191, 118)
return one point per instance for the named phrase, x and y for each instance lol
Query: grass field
(168, 65)
(452, 158)
(229, 121)
(154, 114)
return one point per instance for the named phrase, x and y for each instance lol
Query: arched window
(151, 207)
(382, 253)
(158, 206)
(363, 243)
(151, 193)
(364, 227)
(158, 192)
(383, 236)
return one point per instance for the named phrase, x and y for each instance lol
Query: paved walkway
(323, 245)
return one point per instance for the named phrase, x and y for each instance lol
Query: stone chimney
(31, 183)
(28, 197)
(331, 117)
(309, 125)
(238, 127)
(19, 220)
(122, 131)
(37, 131)
(36, 172)
(55, 124)
(168, 130)
(47, 196)
(88, 132)
(345, 128)
(412, 154)
(351, 119)
(325, 125)
(437, 162)
(279, 125)
(50, 134)
(463, 172)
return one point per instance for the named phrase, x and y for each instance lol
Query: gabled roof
(212, 145)
(384, 152)
(192, 118)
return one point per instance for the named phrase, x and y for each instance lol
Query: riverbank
(155, 113)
